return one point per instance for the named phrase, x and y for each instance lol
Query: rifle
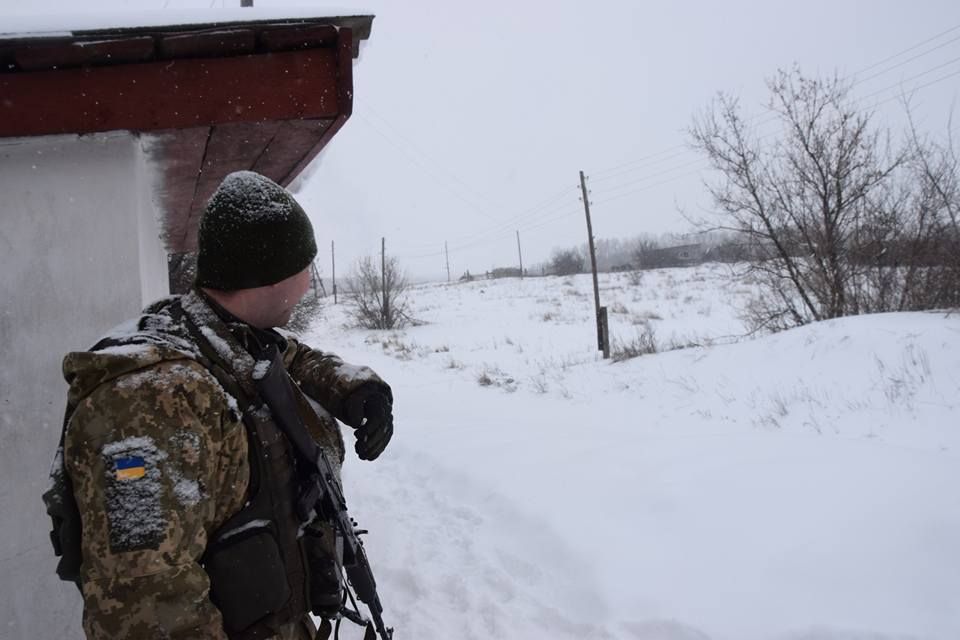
(332, 506)
(324, 495)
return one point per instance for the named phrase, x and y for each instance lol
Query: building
(680, 256)
(111, 141)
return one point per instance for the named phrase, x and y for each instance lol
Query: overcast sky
(472, 119)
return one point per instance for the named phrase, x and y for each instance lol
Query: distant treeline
(646, 251)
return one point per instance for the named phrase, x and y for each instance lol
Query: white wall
(154, 275)
(79, 253)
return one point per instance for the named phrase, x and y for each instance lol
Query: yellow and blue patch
(130, 468)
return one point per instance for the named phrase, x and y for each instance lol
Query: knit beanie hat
(252, 234)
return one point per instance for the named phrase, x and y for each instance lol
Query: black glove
(369, 411)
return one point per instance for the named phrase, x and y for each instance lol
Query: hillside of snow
(800, 486)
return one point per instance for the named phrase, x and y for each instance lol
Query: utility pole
(317, 281)
(602, 338)
(333, 277)
(385, 311)
(520, 253)
(446, 251)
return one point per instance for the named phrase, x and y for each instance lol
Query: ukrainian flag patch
(130, 468)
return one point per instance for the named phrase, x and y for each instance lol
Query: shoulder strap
(61, 506)
(275, 387)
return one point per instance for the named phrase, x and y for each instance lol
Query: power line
(537, 211)
(653, 175)
(427, 170)
(684, 151)
(641, 159)
(415, 147)
(536, 220)
(530, 227)
(707, 166)
(534, 217)
(914, 77)
(645, 160)
(492, 235)
(539, 221)
(499, 223)
(904, 62)
(859, 100)
(908, 50)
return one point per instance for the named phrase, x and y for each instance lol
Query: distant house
(111, 141)
(679, 256)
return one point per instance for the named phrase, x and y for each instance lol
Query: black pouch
(326, 589)
(247, 577)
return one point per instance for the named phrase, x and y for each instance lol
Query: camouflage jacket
(158, 457)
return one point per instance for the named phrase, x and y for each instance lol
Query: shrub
(378, 294)
(565, 262)
(643, 343)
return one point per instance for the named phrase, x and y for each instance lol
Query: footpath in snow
(800, 486)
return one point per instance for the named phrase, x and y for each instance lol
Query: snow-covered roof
(32, 24)
(88, 27)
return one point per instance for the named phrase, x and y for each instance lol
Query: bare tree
(935, 169)
(378, 294)
(822, 204)
(644, 252)
(565, 262)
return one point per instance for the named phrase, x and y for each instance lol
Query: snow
(799, 486)
(221, 346)
(37, 24)
(260, 369)
(353, 373)
(129, 350)
(133, 506)
(187, 492)
(251, 196)
(168, 377)
(142, 445)
(253, 524)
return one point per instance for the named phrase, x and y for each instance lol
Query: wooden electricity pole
(318, 287)
(520, 253)
(333, 277)
(383, 281)
(603, 343)
(446, 252)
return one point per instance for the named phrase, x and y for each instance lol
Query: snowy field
(801, 486)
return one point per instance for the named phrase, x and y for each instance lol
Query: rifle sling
(276, 389)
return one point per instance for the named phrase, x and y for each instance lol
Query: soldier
(185, 479)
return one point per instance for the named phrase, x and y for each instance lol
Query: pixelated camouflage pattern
(147, 396)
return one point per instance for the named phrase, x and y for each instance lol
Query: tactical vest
(260, 560)
(256, 560)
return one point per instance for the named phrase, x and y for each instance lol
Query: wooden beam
(173, 94)
(344, 102)
(74, 54)
(204, 44)
(290, 38)
(230, 147)
(293, 141)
